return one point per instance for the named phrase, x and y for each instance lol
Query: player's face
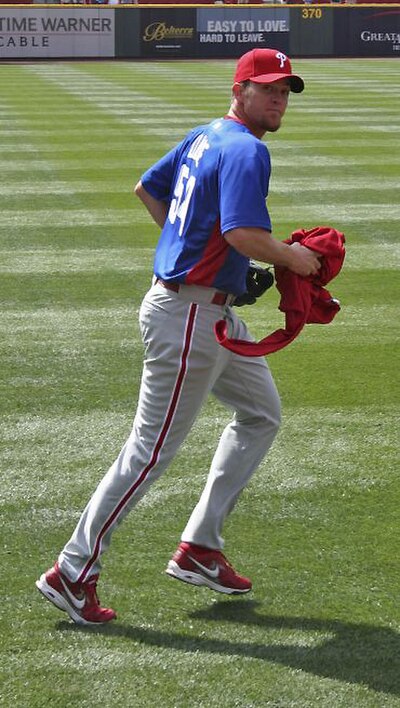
(263, 105)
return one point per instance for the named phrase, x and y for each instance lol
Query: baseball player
(208, 196)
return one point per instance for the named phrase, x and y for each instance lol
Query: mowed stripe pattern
(317, 529)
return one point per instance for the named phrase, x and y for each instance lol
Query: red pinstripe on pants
(187, 343)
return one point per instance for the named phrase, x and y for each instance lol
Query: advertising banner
(231, 32)
(30, 33)
(369, 32)
(204, 32)
(167, 32)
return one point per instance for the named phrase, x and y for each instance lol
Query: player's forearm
(259, 245)
(156, 208)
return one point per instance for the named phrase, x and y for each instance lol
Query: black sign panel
(368, 32)
(311, 31)
(167, 32)
(127, 32)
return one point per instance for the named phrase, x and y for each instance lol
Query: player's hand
(303, 261)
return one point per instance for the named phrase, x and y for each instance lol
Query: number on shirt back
(185, 183)
(182, 193)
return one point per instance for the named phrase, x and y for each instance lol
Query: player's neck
(236, 115)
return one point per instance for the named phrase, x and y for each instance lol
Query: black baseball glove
(258, 280)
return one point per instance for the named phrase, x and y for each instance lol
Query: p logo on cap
(283, 58)
(264, 66)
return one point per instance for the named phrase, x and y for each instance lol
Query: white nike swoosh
(211, 572)
(79, 604)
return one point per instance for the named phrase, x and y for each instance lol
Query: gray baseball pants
(183, 363)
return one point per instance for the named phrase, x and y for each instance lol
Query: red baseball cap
(264, 66)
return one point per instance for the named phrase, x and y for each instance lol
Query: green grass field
(318, 528)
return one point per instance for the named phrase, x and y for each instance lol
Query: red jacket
(303, 300)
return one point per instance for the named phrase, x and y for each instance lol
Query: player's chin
(274, 125)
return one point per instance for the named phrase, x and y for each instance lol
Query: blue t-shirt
(215, 180)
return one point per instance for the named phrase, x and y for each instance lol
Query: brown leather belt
(218, 298)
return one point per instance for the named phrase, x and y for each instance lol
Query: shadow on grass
(355, 653)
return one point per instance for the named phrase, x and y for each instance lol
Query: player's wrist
(286, 257)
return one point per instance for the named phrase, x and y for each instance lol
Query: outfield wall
(214, 31)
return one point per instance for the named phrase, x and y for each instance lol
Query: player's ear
(236, 90)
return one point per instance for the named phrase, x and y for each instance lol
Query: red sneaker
(203, 566)
(78, 600)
